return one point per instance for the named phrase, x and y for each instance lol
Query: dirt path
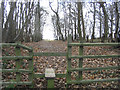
(48, 46)
(58, 63)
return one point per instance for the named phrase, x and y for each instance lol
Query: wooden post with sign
(50, 75)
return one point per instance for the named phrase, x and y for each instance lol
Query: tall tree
(0, 23)
(79, 26)
(57, 21)
(65, 19)
(75, 24)
(83, 26)
(111, 20)
(100, 18)
(9, 25)
(116, 19)
(93, 32)
(105, 20)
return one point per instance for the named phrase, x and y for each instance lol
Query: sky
(48, 31)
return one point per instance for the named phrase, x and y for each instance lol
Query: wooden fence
(31, 75)
(81, 56)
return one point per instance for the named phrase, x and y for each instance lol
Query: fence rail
(94, 44)
(95, 56)
(98, 68)
(50, 54)
(17, 45)
(94, 80)
(15, 57)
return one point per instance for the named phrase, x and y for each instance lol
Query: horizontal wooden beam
(16, 44)
(38, 75)
(50, 54)
(97, 68)
(19, 83)
(95, 56)
(60, 75)
(8, 44)
(25, 47)
(94, 44)
(94, 80)
(15, 70)
(15, 57)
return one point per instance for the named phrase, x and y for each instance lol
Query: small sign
(49, 73)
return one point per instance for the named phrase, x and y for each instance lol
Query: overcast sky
(48, 31)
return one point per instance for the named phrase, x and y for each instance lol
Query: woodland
(27, 56)
(25, 21)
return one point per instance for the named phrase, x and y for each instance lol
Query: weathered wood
(69, 69)
(57, 75)
(15, 57)
(15, 70)
(18, 64)
(15, 44)
(20, 83)
(94, 44)
(50, 83)
(69, 53)
(50, 75)
(25, 47)
(94, 80)
(8, 44)
(97, 68)
(80, 62)
(60, 75)
(31, 68)
(50, 54)
(95, 56)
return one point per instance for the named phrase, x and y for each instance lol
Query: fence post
(50, 75)
(30, 61)
(18, 63)
(80, 63)
(69, 53)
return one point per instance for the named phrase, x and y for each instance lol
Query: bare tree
(117, 20)
(57, 21)
(79, 26)
(105, 20)
(93, 32)
(0, 23)
(83, 26)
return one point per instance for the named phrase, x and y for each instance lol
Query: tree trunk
(1, 23)
(117, 20)
(93, 33)
(57, 22)
(105, 20)
(65, 26)
(3, 30)
(79, 26)
(75, 27)
(111, 28)
(83, 26)
(10, 34)
(100, 23)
